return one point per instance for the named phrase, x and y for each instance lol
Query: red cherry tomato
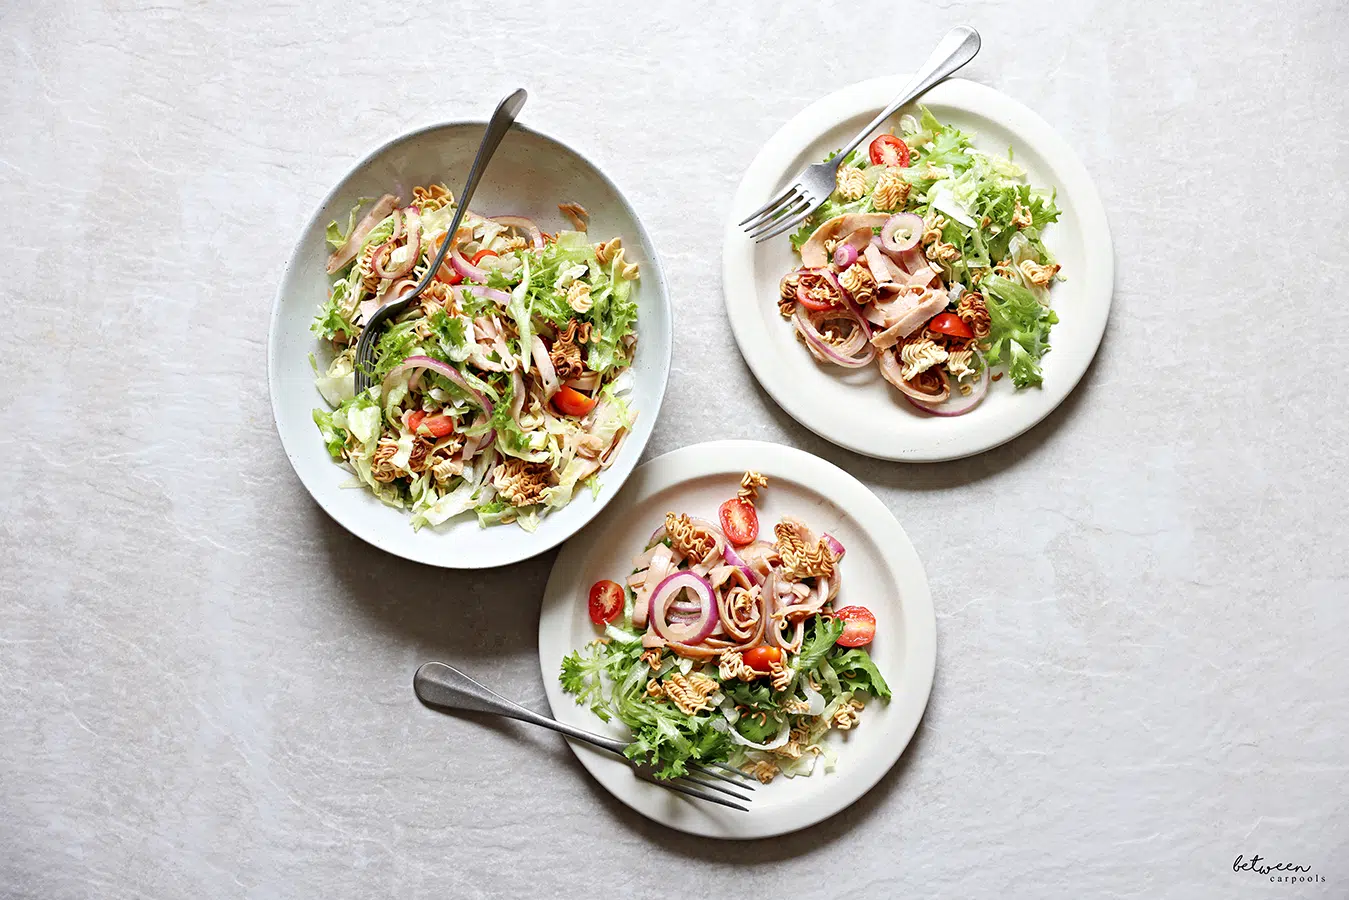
(606, 602)
(952, 324)
(859, 626)
(571, 402)
(481, 255)
(888, 150)
(415, 419)
(739, 521)
(437, 425)
(816, 305)
(449, 274)
(761, 659)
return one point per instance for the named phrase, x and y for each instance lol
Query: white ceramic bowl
(857, 409)
(529, 175)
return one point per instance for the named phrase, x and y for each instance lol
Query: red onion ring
(487, 293)
(525, 225)
(899, 243)
(845, 255)
(957, 404)
(440, 368)
(826, 352)
(835, 547)
(667, 592)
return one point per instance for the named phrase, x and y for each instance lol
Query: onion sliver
(835, 547)
(735, 559)
(440, 368)
(826, 352)
(487, 293)
(665, 594)
(466, 268)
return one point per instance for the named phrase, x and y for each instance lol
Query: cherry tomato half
(816, 305)
(859, 626)
(571, 402)
(888, 150)
(952, 324)
(481, 255)
(449, 274)
(437, 425)
(606, 602)
(761, 659)
(739, 521)
(415, 419)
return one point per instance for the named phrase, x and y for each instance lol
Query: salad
(928, 260)
(721, 647)
(501, 391)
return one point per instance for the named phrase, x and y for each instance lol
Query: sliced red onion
(487, 293)
(667, 592)
(466, 268)
(902, 232)
(440, 368)
(835, 547)
(732, 558)
(892, 371)
(826, 352)
(525, 225)
(957, 404)
(845, 255)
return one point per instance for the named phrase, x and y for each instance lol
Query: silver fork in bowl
(502, 119)
(443, 686)
(815, 183)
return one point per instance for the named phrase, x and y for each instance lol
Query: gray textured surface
(205, 682)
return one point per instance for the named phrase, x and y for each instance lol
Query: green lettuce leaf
(1018, 329)
(856, 672)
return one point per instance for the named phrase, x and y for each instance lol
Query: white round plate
(529, 175)
(881, 571)
(858, 409)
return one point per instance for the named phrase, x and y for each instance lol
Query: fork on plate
(439, 685)
(815, 183)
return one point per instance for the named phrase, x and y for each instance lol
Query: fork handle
(437, 684)
(958, 47)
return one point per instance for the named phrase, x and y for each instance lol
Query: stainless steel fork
(814, 184)
(497, 126)
(439, 685)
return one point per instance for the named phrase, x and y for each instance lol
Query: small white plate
(529, 175)
(857, 409)
(881, 571)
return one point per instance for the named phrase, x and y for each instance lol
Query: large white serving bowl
(529, 175)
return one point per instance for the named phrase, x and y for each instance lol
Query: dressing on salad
(502, 390)
(721, 647)
(928, 260)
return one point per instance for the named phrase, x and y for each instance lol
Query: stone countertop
(1141, 666)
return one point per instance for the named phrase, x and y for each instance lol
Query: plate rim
(898, 555)
(637, 440)
(868, 97)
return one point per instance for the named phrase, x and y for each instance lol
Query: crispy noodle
(431, 197)
(690, 693)
(919, 356)
(651, 657)
(576, 213)
(731, 666)
(578, 297)
(521, 483)
(687, 538)
(1036, 274)
(764, 770)
(974, 313)
(958, 363)
(566, 352)
(796, 706)
(858, 281)
(846, 716)
(750, 483)
(850, 183)
(1020, 215)
(780, 675)
(654, 689)
(800, 561)
(891, 192)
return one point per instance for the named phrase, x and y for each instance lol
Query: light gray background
(1141, 604)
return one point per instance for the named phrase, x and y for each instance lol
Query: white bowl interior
(529, 175)
(857, 408)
